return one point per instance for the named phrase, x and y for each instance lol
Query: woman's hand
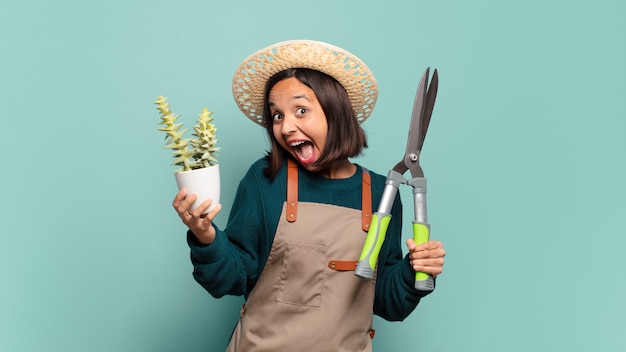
(198, 223)
(426, 257)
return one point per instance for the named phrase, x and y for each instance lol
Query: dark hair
(345, 137)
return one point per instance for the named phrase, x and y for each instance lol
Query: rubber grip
(371, 249)
(423, 281)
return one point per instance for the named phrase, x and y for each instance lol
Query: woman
(300, 216)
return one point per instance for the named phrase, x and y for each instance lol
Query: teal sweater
(233, 263)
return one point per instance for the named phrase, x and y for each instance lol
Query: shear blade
(420, 119)
(429, 106)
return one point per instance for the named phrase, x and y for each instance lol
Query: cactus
(189, 153)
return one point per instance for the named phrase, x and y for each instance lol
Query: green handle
(374, 241)
(421, 234)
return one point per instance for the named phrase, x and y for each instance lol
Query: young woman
(300, 215)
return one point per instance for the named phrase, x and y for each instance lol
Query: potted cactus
(199, 172)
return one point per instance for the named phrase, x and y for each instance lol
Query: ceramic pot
(204, 182)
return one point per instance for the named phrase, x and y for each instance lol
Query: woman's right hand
(199, 224)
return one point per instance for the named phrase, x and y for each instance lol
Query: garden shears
(422, 111)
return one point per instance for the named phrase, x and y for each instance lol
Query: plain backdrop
(524, 159)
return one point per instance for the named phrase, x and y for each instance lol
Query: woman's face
(299, 122)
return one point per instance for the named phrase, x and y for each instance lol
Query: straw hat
(254, 72)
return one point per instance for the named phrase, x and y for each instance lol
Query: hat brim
(253, 73)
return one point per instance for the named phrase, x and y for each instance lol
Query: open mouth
(304, 151)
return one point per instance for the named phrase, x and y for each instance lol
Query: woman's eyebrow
(295, 97)
(299, 96)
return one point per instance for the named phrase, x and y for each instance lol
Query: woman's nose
(288, 125)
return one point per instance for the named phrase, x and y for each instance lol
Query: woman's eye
(301, 111)
(276, 116)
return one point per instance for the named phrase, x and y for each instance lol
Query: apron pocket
(302, 274)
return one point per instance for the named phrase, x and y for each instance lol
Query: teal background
(525, 161)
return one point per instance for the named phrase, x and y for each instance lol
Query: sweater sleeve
(229, 264)
(396, 296)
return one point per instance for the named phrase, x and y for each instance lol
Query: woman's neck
(338, 169)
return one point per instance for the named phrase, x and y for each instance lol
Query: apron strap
(292, 195)
(366, 200)
(292, 190)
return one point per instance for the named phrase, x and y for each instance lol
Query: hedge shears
(422, 111)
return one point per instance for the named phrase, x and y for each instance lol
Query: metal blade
(428, 107)
(415, 133)
(411, 155)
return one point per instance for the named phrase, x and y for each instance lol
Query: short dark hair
(345, 137)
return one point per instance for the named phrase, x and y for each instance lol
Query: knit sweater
(232, 264)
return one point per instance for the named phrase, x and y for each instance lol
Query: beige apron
(307, 297)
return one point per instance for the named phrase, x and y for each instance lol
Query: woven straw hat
(254, 72)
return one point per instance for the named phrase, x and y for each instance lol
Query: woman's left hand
(426, 257)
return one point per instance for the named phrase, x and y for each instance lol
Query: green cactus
(189, 153)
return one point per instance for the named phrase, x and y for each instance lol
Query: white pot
(204, 182)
